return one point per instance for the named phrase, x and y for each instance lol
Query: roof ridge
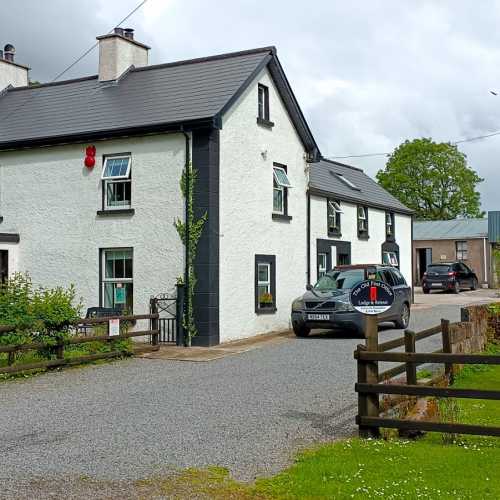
(333, 162)
(182, 62)
(54, 84)
(215, 57)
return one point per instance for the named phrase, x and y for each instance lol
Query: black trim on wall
(324, 246)
(206, 200)
(265, 259)
(308, 238)
(265, 91)
(9, 238)
(116, 212)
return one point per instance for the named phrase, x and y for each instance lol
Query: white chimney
(118, 51)
(11, 73)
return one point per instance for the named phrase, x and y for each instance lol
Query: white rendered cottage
(106, 224)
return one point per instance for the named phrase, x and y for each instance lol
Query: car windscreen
(340, 280)
(440, 269)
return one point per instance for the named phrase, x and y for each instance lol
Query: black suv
(448, 276)
(327, 303)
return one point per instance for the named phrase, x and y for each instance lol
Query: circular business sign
(372, 297)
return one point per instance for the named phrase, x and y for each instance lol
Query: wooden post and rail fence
(371, 383)
(59, 346)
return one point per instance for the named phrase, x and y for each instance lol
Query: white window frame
(280, 186)
(266, 283)
(105, 280)
(336, 210)
(392, 259)
(362, 220)
(116, 179)
(322, 266)
(263, 102)
(285, 184)
(389, 229)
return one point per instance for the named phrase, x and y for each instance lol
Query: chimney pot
(9, 52)
(119, 31)
(129, 33)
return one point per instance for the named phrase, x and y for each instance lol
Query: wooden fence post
(11, 357)
(155, 324)
(411, 368)
(368, 370)
(60, 349)
(445, 331)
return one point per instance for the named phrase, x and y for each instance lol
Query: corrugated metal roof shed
(328, 177)
(494, 226)
(457, 229)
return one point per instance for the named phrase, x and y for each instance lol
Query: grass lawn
(389, 469)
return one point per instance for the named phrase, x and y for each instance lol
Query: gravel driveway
(140, 417)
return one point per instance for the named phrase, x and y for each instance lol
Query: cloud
(368, 75)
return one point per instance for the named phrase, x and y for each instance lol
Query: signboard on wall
(372, 297)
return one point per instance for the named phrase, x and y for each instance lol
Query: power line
(74, 63)
(88, 51)
(459, 141)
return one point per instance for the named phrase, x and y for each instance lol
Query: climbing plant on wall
(195, 226)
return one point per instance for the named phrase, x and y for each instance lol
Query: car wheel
(301, 331)
(474, 284)
(425, 290)
(456, 287)
(404, 318)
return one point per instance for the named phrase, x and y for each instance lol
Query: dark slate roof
(456, 229)
(184, 92)
(323, 180)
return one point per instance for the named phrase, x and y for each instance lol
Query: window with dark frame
(265, 284)
(322, 264)
(117, 182)
(333, 217)
(362, 221)
(389, 225)
(116, 277)
(281, 184)
(462, 250)
(263, 111)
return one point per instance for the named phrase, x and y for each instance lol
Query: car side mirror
(309, 287)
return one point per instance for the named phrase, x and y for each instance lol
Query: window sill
(111, 213)
(335, 234)
(265, 123)
(282, 217)
(267, 310)
(363, 236)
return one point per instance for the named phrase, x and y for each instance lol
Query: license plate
(318, 317)
(436, 284)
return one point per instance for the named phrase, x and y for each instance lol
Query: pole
(372, 400)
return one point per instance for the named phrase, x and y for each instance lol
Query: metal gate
(166, 306)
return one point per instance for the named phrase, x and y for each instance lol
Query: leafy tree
(433, 179)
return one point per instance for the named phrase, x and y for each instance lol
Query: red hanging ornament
(90, 156)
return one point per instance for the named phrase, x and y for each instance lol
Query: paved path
(137, 417)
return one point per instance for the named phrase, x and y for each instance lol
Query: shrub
(36, 313)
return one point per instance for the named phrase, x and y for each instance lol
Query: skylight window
(281, 178)
(116, 167)
(346, 181)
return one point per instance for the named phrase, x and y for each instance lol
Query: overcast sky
(368, 74)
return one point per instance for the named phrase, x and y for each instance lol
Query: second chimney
(11, 73)
(118, 51)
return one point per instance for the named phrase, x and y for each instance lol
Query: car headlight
(298, 304)
(343, 306)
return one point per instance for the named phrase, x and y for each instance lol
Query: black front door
(4, 265)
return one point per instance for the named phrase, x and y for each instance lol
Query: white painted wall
(50, 198)
(246, 203)
(116, 55)
(12, 74)
(362, 251)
